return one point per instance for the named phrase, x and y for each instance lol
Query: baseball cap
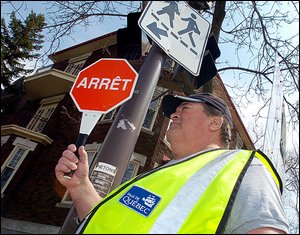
(171, 102)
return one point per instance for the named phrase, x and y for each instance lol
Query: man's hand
(69, 162)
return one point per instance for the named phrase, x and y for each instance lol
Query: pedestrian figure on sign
(171, 9)
(191, 27)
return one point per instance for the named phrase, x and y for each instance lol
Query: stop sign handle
(81, 139)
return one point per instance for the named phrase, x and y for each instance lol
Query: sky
(111, 24)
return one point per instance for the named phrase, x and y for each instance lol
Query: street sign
(179, 30)
(104, 85)
(98, 89)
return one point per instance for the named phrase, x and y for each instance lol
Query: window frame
(136, 166)
(16, 167)
(45, 111)
(41, 117)
(106, 118)
(75, 65)
(160, 90)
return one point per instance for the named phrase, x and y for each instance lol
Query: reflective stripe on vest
(183, 203)
(188, 203)
(269, 165)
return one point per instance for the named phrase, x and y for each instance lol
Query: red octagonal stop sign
(104, 85)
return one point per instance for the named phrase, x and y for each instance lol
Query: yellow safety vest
(192, 196)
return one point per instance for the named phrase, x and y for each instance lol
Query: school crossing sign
(104, 85)
(179, 30)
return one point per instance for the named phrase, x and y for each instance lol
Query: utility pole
(119, 142)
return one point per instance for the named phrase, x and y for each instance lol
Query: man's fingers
(70, 155)
(60, 169)
(83, 155)
(66, 162)
(72, 147)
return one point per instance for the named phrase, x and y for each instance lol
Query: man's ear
(216, 123)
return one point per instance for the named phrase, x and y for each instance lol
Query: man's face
(189, 122)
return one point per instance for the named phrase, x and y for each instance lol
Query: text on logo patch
(140, 200)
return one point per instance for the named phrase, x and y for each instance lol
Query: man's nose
(175, 115)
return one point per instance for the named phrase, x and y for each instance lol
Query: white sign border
(166, 50)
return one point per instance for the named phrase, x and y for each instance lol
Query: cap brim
(170, 103)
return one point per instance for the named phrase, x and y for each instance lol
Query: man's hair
(227, 130)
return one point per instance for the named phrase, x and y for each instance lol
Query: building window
(43, 114)
(131, 171)
(75, 64)
(41, 117)
(12, 164)
(74, 68)
(149, 119)
(14, 160)
(154, 107)
(108, 116)
(136, 160)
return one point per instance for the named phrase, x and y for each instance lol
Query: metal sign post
(126, 127)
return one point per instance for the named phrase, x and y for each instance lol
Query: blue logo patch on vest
(140, 200)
